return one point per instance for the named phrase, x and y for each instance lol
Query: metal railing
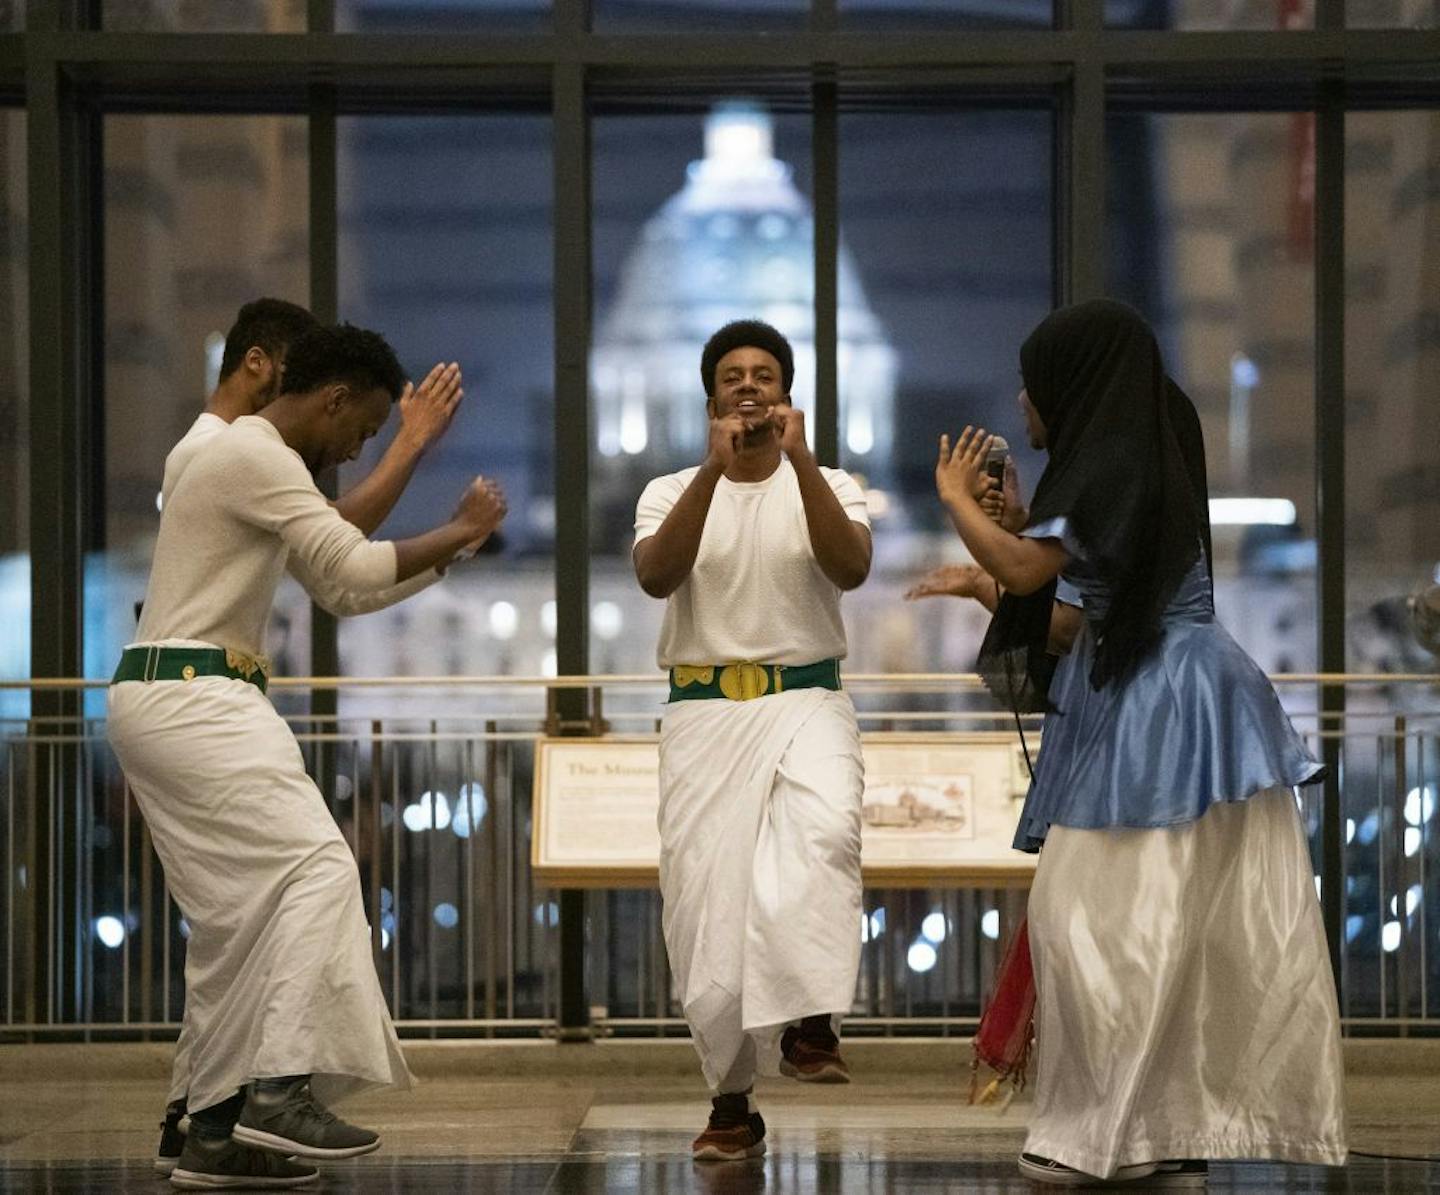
(430, 780)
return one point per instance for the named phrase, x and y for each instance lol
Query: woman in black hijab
(1185, 1004)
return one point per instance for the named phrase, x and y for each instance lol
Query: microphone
(995, 459)
(995, 465)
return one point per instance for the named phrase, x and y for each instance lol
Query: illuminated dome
(737, 242)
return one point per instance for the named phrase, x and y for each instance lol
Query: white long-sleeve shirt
(244, 505)
(339, 601)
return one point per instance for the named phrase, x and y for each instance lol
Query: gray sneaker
(292, 1121)
(215, 1165)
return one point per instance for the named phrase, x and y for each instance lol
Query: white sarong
(1185, 1006)
(760, 867)
(279, 975)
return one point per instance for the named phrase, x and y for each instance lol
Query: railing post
(1402, 878)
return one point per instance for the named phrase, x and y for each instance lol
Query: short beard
(264, 400)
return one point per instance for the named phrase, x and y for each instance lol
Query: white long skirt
(279, 977)
(760, 869)
(1185, 1004)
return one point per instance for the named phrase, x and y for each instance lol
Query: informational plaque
(594, 813)
(942, 809)
(939, 810)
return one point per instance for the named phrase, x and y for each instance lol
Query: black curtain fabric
(1127, 469)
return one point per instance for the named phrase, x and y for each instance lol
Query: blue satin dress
(1196, 723)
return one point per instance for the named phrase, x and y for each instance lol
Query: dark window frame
(67, 73)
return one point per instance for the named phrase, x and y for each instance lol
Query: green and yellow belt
(186, 663)
(746, 681)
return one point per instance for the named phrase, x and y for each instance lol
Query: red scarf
(1007, 1026)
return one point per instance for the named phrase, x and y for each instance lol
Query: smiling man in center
(761, 775)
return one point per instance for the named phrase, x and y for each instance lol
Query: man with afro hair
(761, 775)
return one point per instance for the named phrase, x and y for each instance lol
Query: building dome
(736, 242)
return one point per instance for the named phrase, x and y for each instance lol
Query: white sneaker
(1047, 1170)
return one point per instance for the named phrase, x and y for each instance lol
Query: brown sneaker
(733, 1134)
(810, 1052)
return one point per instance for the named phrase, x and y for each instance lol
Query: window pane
(205, 16)
(946, 14)
(1392, 369)
(442, 16)
(1211, 238)
(1392, 14)
(202, 214)
(446, 243)
(699, 219)
(1207, 14)
(446, 249)
(14, 413)
(945, 268)
(743, 16)
(1392, 552)
(12, 16)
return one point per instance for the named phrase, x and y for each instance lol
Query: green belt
(742, 682)
(186, 663)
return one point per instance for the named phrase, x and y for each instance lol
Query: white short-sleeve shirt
(756, 593)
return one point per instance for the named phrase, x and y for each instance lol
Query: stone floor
(617, 1118)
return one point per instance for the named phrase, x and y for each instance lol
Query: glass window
(202, 214)
(945, 268)
(1207, 14)
(12, 16)
(446, 249)
(946, 14)
(204, 16)
(1392, 369)
(1392, 555)
(1211, 237)
(14, 414)
(442, 16)
(1392, 14)
(700, 219)
(742, 16)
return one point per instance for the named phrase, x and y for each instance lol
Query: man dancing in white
(285, 1010)
(251, 367)
(761, 775)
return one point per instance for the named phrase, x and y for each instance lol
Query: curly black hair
(270, 324)
(746, 333)
(342, 353)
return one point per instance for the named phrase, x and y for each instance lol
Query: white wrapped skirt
(1185, 1004)
(760, 867)
(279, 977)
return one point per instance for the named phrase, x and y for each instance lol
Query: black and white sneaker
(1051, 1172)
(172, 1137)
(1186, 1172)
(292, 1122)
(206, 1165)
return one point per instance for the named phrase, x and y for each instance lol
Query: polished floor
(598, 1121)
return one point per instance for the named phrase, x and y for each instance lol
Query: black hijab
(1127, 469)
